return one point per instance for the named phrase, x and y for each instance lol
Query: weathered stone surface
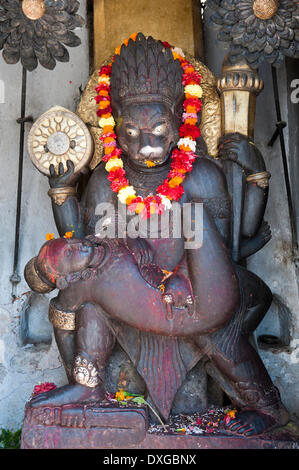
(84, 427)
(192, 396)
(109, 427)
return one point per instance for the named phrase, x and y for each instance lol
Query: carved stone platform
(114, 427)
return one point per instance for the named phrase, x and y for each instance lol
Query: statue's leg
(237, 367)
(94, 342)
(258, 299)
(65, 340)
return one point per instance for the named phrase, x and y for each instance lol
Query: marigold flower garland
(182, 158)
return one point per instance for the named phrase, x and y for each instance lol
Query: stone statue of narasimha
(110, 288)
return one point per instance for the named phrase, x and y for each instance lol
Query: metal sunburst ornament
(258, 30)
(35, 31)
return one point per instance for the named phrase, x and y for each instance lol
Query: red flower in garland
(105, 70)
(194, 102)
(103, 87)
(119, 183)
(44, 387)
(116, 153)
(174, 193)
(187, 130)
(182, 160)
(108, 134)
(115, 174)
(100, 98)
(102, 112)
(194, 77)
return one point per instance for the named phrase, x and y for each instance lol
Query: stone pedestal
(114, 427)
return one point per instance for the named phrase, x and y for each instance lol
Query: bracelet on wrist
(261, 179)
(60, 195)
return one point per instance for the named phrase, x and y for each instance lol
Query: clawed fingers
(60, 169)
(52, 170)
(70, 166)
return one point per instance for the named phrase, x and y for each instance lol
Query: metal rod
(15, 278)
(284, 160)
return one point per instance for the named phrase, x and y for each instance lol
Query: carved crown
(146, 70)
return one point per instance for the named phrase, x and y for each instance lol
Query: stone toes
(233, 424)
(66, 421)
(236, 427)
(250, 432)
(244, 429)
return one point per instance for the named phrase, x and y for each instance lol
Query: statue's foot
(253, 422)
(68, 394)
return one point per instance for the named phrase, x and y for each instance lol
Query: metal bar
(15, 278)
(284, 160)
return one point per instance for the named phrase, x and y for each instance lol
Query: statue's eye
(160, 129)
(132, 132)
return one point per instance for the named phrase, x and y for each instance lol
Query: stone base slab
(112, 427)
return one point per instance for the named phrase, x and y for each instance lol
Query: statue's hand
(252, 245)
(237, 147)
(63, 178)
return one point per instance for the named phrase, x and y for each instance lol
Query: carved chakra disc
(57, 136)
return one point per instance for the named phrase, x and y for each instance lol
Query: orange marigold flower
(162, 288)
(129, 200)
(189, 69)
(107, 116)
(133, 36)
(232, 413)
(104, 104)
(185, 148)
(68, 234)
(108, 150)
(103, 93)
(177, 56)
(117, 50)
(107, 129)
(49, 236)
(192, 122)
(150, 163)
(176, 181)
(108, 139)
(115, 168)
(191, 109)
(120, 396)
